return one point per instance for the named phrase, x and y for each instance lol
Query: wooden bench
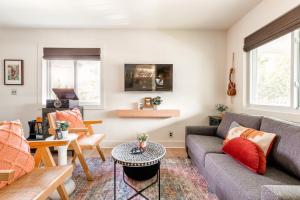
(41, 181)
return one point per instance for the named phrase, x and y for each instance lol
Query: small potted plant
(156, 101)
(64, 129)
(221, 108)
(142, 139)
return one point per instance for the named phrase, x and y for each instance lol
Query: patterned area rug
(179, 181)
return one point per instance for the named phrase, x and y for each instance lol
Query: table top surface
(152, 154)
(71, 137)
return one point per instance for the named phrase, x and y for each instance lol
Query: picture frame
(13, 72)
(148, 102)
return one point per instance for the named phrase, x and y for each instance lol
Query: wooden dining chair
(88, 141)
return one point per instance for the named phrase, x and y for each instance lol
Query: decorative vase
(221, 114)
(64, 134)
(142, 144)
(140, 106)
(155, 107)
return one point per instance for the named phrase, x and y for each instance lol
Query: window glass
(82, 75)
(61, 75)
(271, 65)
(88, 81)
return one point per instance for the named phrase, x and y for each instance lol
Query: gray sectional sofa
(228, 179)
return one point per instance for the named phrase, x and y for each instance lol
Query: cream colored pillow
(263, 139)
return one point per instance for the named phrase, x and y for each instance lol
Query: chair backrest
(52, 123)
(249, 121)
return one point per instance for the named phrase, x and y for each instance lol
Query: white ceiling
(134, 14)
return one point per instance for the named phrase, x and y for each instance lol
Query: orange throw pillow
(248, 153)
(14, 150)
(73, 117)
(263, 139)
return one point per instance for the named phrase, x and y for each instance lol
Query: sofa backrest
(249, 121)
(286, 148)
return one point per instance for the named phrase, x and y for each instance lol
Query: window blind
(277, 28)
(71, 53)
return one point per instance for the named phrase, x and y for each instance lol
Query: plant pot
(143, 144)
(155, 107)
(64, 134)
(221, 114)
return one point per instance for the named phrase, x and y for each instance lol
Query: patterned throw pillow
(73, 117)
(248, 153)
(263, 139)
(14, 150)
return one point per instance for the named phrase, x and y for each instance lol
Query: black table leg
(159, 181)
(115, 177)
(139, 192)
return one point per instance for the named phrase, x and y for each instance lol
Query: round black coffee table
(140, 166)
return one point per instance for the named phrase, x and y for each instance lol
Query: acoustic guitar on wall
(231, 91)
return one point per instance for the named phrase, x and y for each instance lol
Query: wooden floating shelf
(148, 113)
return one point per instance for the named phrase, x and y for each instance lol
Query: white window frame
(86, 105)
(295, 79)
(42, 75)
(296, 74)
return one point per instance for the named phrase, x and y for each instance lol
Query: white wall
(262, 14)
(199, 59)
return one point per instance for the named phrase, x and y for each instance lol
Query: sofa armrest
(199, 130)
(280, 192)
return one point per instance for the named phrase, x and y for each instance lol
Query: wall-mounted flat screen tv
(148, 77)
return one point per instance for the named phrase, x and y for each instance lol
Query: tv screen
(148, 77)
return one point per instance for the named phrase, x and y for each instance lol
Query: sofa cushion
(14, 151)
(286, 148)
(230, 180)
(201, 145)
(242, 119)
(73, 117)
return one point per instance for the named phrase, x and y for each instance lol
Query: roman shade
(279, 27)
(72, 53)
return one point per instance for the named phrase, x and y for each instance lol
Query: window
(78, 68)
(82, 75)
(274, 72)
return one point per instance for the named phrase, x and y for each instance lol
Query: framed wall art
(13, 72)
